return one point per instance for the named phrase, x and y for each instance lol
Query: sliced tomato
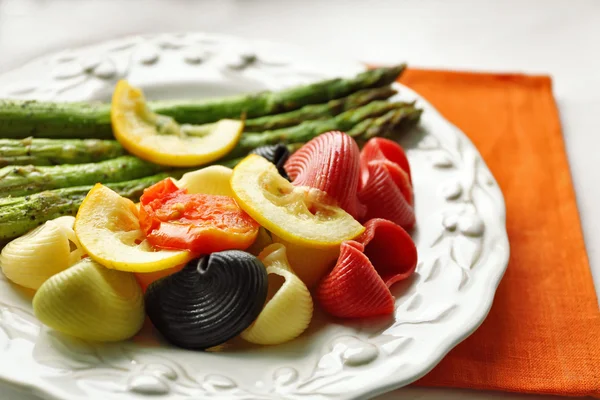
(202, 223)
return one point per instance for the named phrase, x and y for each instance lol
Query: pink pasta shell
(387, 193)
(383, 149)
(330, 162)
(390, 249)
(353, 289)
(358, 285)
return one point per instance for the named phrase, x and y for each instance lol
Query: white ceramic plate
(461, 238)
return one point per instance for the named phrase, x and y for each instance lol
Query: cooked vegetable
(318, 111)
(208, 180)
(91, 302)
(108, 228)
(53, 152)
(21, 119)
(309, 263)
(45, 251)
(330, 162)
(378, 118)
(297, 214)
(24, 118)
(267, 103)
(160, 139)
(201, 223)
(388, 125)
(358, 285)
(25, 180)
(210, 301)
(289, 307)
(277, 154)
(18, 215)
(386, 188)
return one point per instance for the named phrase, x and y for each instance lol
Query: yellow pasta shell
(289, 307)
(91, 302)
(263, 239)
(210, 180)
(43, 252)
(309, 263)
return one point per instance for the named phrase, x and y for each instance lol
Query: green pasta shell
(91, 302)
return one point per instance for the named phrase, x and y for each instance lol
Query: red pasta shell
(358, 285)
(353, 289)
(390, 249)
(330, 162)
(387, 193)
(383, 149)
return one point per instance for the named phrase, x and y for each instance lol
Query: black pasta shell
(276, 154)
(211, 300)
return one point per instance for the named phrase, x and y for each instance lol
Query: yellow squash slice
(160, 139)
(108, 228)
(298, 215)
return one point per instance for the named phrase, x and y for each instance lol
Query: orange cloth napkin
(543, 332)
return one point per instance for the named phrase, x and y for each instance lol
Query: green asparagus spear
(29, 179)
(309, 129)
(21, 119)
(53, 152)
(388, 125)
(18, 215)
(29, 118)
(318, 111)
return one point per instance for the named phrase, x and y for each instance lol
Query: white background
(556, 37)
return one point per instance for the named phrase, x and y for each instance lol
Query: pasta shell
(263, 239)
(45, 251)
(277, 154)
(390, 249)
(91, 302)
(208, 180)
(330, 162)
(289, 306)
(383, 149)
(146, 278)
(387, 193)
(358, 284)
(211, 300)
(353, 289)
(309, 263)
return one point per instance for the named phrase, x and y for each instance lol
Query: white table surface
(555, 37)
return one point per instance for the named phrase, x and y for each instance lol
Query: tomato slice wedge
(201, 223)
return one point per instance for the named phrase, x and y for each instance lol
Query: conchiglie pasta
(310, 264)
(263, 239)
(330, 162)
(45, 251)
(289, 307)
(208, 180)
(91, 302)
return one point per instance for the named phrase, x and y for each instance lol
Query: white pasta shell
(289, 307)
(310, 264)
(91, 302)
(43, 252)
